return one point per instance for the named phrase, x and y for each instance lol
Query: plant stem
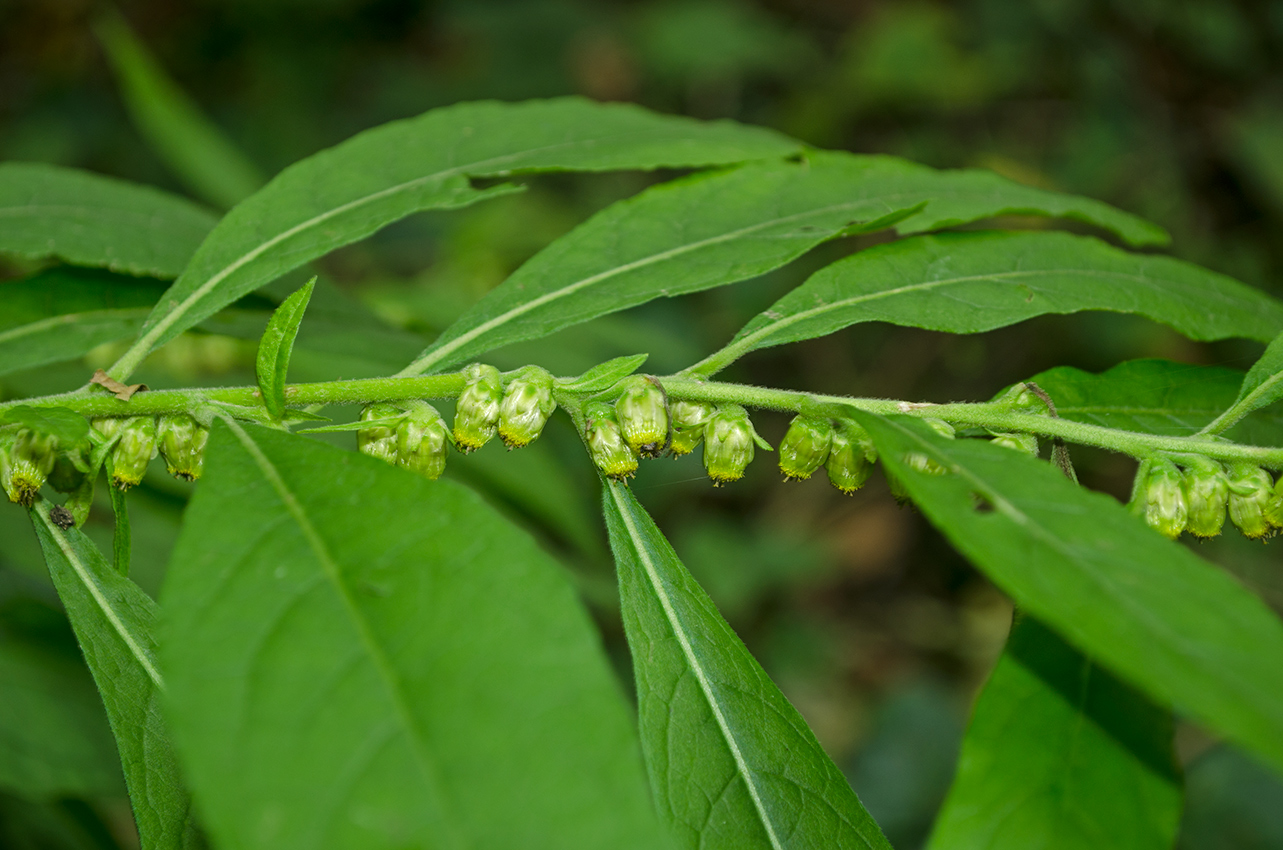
(998, 416)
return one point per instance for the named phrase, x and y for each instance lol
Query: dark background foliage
(871, 624)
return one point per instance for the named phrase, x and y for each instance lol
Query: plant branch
(998, 416)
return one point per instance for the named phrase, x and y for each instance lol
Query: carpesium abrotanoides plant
(349, 652)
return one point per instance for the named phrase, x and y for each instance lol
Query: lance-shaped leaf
(114, 623)
(1157, 397)
(1061, 754)
(361, 658)
(732, 764)
(377, 177)
(1262, 386)
(171, 122)
(973, 282)
(1180, 629)
(91, 220)
(274, 349)
(61, 313)
(712, 230)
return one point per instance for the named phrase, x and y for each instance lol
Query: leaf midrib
(136, 649)
(767, 330)
(382, 665)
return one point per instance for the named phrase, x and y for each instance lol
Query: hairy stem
(998, 416)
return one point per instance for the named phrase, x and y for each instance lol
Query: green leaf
(1180, 629)
(90, 220)
(114, 623)
(1061, 754)
(361, 658)
(603, 376)
(712, 230)
(172, 123)
(1156, 397)
(978, 281)
(66, 426)
(377, 177)
(1263, 386)
(63, 312)
(732, 764)
(54, 739)
(122, 536)
(273, 362)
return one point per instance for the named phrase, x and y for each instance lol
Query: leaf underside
(1178, 628)
(1061, 754)
(732, 764)
(90, 220)
(361, 658)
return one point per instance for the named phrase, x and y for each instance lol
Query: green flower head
(135, 448)
(182, 443)
(421, 440)
(728, 444)
(642, 411)
(379, 440)
(476, 417)
(1206, 495)
(526, 406)
(851, 457)
(1251, 493)
(610, 451)
(805, 446)
(688, 419)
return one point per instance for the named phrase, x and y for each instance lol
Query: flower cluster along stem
(998, 416)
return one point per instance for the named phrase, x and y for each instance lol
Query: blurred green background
(871, 624)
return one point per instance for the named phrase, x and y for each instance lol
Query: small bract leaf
(275, 347)
(603, 376)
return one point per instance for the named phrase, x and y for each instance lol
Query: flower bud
(380, 440)
(134, 450)
(526, 406)
(805, 446)
(1274, 510)
(105, 431)
(1026, 443)
(1159, 498)
(688, 419)
(476, 417)
(26, 459)
(642, 410)
(728, 444)
(851, 457)
(1251, 492)
(182, 443)
(612, 454)
(1206, 492)
(421, 441)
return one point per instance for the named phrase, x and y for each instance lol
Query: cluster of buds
(636, 425)
(1198, 499)
(413, 437)
(29, 459)
(841, 447)
(133, 441)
